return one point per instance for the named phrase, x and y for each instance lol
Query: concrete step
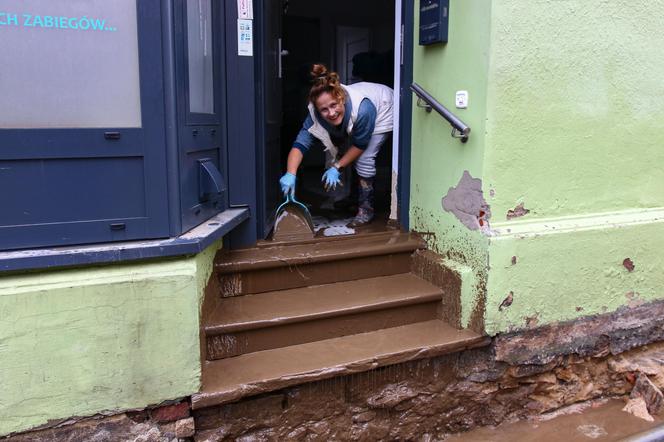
(230, 379)
(263, 269)
(276, 319)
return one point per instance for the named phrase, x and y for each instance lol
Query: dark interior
(355, 39)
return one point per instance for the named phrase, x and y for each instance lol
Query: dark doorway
(355, 39)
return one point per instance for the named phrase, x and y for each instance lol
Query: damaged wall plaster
(439, 160)
(517, 212)
(572, 273)
(466, 201)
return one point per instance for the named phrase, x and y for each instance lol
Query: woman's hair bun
(318, 72)
(322, 81)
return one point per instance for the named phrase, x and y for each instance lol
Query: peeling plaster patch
(532, 321)
(492, 193)
(506, 302)
(394, 198)
(517, 212)
(628, 264)
(466, 201)
(634, 299)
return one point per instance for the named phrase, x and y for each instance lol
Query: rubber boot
(365, 199)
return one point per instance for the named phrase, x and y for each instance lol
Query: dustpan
(292, 221)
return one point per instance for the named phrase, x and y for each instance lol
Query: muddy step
(265, 269)
(251, 323)
(230, 379)
(265, 243)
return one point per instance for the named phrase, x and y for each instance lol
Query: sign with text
(245, 38)
(74, 63)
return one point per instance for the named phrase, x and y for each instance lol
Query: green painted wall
(573, 267)
(576, 105)
(567, 111)
(438, 160)
(79, 342)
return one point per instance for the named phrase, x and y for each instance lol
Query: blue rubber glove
(287, 183)
(331, 178)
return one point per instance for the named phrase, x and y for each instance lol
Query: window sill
(190, 243)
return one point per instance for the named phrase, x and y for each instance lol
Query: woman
(352, 122)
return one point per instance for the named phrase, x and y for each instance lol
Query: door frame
(405, 18)
(242, 117)
(404, 28)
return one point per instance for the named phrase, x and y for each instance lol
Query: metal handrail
(459, 129)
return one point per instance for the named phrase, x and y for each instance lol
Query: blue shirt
(360, 135)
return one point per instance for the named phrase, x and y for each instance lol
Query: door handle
(112, 135)
(280, 54)
(210, 181)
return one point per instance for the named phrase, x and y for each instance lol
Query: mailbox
(434, 21)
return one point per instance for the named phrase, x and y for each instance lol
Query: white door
(350, 41)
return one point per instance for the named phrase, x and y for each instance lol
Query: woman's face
(330, 108)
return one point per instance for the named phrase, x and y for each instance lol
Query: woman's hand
(331, 178)
(287, 183)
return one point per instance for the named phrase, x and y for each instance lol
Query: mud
(599, 420)
(594, 336)
(337, 259)
(292, 225)
(233, 344)
(307, 252)
(132, 426)
(427, 399)
(302, 275)
(521, 375)
(231, 379)
(279, 319)
(428, 266)
(430, 399)
(211, 299)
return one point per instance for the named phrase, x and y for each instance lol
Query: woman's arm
(349, 157)
(294, 159)
(362, 131)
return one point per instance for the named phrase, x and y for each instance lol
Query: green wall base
(80, 342)
(565, 268)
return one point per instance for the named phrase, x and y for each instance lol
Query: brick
(170, 413)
